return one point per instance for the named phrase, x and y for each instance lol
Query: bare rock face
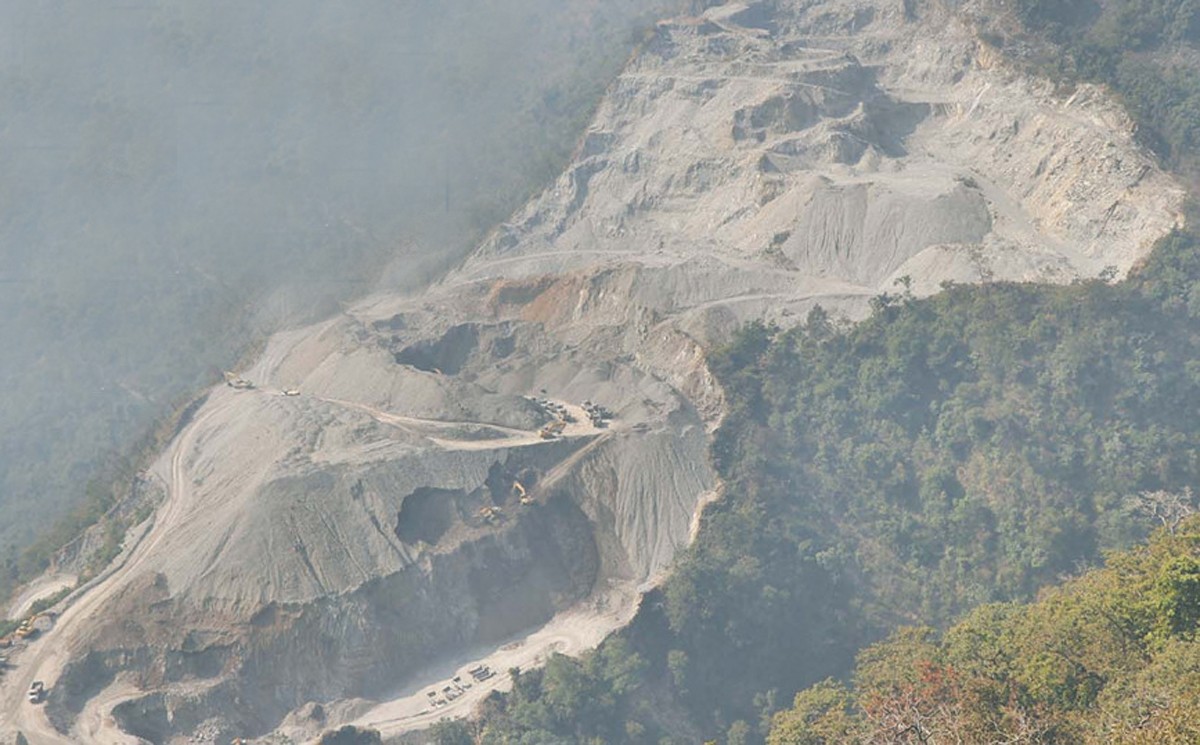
(750, 163)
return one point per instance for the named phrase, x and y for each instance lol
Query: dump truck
(490, 514)
(37, 692)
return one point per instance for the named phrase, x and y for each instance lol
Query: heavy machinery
(490, 514)
(26, 629)
(481, 673)
(233, 380)
(599, 415)
(521, 494)
(552, 430)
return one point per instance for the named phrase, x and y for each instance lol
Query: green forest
(945, 454)
(1109, 657)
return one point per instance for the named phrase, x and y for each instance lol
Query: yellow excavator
(26, 629)
(521, 494)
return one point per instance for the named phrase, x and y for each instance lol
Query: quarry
(472, 476)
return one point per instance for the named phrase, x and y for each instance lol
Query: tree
(451, 732)
(351, 735)
(1112, 656)
(1165, 507)
(739, 733)
(677, 661)
(821, 715)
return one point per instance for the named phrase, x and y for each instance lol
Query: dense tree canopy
(1110, 657)
(962, 449)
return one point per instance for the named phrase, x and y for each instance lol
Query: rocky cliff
(407, 504)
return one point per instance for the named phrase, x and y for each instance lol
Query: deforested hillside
(1145, 52)
(233, 168)
(435, 486)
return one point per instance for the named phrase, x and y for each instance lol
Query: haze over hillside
(841, 315)
(178, 178)
(425, 480)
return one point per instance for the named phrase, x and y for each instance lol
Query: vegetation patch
(1109, 657)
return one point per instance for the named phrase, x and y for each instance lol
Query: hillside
(947, 452)
(942, 454)
(385, 508)
(238, 169)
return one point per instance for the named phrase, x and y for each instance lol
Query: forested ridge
(1109, 657)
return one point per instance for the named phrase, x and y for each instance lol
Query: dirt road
(41, 587)
(435, 430)
(43, 658)
(571, 632)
